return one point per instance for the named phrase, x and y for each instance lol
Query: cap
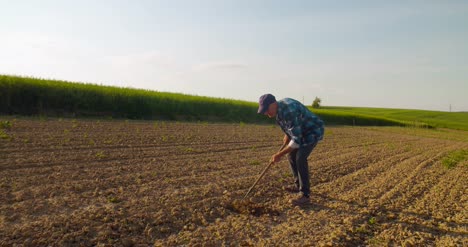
(264, 102)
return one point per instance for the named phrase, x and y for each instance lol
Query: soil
(138, 183)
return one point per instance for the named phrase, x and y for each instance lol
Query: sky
(393, 54)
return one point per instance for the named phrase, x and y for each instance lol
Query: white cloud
(148, 58)
(220, 65)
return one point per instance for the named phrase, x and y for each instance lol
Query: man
(303, 130)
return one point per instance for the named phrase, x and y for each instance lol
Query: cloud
(220, 65)
(27, 46)
(147, 58)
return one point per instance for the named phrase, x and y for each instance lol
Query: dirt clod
(247, 207)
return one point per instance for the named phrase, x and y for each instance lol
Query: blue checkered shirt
(301, 125)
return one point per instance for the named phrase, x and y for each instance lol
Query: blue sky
(397, 54)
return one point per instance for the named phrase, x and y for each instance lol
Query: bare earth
(139, 183)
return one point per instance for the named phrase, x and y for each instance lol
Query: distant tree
(316, 103)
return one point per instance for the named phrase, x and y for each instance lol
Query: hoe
(262, 174)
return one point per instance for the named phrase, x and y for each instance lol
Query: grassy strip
(452, 159)
(350, 118)
(452, 120)
(30, 96)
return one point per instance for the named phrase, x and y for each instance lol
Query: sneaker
(302, 200)
(292, 189)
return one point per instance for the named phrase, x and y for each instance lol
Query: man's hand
(276, 157)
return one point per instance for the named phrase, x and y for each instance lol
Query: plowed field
(124, 183)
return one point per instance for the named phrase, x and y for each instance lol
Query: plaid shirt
(301, 125)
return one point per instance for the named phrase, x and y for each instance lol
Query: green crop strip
(43, 98)
(455, 157)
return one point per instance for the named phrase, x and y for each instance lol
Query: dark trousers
(300, 167)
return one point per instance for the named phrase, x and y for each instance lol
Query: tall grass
(31, 96)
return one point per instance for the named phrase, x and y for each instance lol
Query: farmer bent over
(303, 130)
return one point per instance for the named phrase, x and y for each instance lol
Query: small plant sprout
(5, 125)
(100, 154)
(4, 135)
(113, 199)
(455, 157)
(254, 163)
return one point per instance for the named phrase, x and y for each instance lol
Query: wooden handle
(262, 174)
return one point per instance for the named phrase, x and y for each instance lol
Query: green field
(41, 97)
(439, 119)
(31, 96)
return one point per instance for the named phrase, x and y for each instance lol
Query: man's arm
(286, 146)
(292, 144)
(286, 140)
(277, 157)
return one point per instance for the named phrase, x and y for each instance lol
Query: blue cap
(264, 102)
